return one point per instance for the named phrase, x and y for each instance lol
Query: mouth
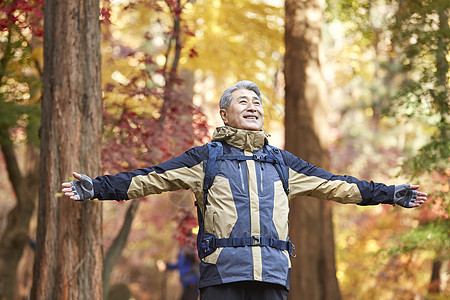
(251, 117)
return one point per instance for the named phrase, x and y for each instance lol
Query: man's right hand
(79, 190)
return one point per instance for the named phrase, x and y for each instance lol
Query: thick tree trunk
(68, 255)
(313, 270)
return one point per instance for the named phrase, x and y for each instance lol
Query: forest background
(385, 68)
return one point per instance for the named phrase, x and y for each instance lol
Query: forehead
(244, 93)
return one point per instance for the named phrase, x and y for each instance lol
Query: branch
(171, 75)
(6, 56)
(35, 61)
(118, 245)
(14, 174)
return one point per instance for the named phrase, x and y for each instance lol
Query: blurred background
(384, 64)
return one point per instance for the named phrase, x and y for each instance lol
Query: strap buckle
(291, 248)
(257, 157)
(256, 240)
(206, 243)
(209, 243)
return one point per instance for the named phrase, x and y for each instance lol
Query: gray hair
(225, 99)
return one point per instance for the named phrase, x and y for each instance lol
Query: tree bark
(313, 270)
(68, 261)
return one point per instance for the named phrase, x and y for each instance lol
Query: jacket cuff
(385, 197)
(391, 191)
(97, 189)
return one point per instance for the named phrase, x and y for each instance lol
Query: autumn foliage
(388, 101)
(25, 14)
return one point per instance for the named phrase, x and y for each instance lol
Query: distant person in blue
(187, 265)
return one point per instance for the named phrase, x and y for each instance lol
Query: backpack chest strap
(263, 158)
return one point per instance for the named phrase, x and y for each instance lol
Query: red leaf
(193, 53)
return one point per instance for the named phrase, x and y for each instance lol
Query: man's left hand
(409, 196)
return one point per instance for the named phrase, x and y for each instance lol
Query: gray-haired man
(242, 186)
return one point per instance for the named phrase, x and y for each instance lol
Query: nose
(251, 106)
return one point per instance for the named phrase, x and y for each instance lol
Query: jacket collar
(248, 140)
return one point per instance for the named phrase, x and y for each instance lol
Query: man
(243, 216)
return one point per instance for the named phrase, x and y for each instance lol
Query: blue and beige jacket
(246, 199)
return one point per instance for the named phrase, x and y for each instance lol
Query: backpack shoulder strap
(280, 166)
(215, 149)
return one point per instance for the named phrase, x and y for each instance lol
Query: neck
(248, 140)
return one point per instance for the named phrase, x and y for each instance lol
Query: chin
(254, 128)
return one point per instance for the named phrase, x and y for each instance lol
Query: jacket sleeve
(308, 180)
(182, 172)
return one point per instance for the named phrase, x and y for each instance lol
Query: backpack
(208, 242)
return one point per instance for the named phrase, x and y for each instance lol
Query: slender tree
(16, 235)
(177, 96)
(20, 27)
(314, 275)
(68, 254)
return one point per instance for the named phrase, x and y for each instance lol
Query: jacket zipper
(242, 176)
(261, 177)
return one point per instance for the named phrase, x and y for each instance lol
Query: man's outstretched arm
(182, 172)
(307, 179)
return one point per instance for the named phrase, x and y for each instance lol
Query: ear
(224, 115)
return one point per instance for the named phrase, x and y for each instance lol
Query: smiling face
(245, 111)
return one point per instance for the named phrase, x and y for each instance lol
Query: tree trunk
(16, 235)
(441, 97)
(313, 270)
(25, 184)
(441, 100)
(68, 261)
(435, 281)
